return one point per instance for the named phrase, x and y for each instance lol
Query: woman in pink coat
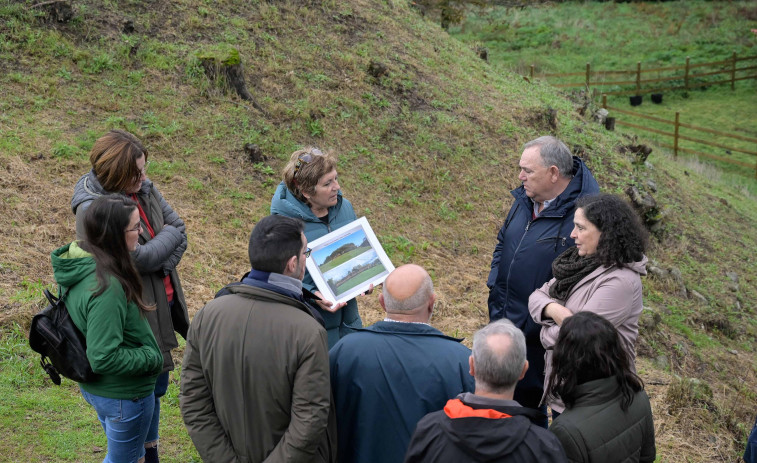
(602, 274)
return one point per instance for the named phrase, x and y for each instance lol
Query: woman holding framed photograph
(310, 192)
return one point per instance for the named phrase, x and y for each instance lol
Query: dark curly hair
(623, 238)
(589, 348)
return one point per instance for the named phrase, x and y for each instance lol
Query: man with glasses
(537, 230)
(255, 378)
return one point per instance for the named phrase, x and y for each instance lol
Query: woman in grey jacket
(119, 165)
(608, 418)
(602, 274)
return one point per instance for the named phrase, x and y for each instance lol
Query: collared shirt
(286, 282)
(546, 205)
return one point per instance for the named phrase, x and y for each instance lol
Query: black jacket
(467, 431)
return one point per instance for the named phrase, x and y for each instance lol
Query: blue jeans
(161, 386)
(126, 422)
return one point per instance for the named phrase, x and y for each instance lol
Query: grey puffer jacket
(154, 258)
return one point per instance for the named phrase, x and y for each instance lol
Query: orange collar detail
(455, 408)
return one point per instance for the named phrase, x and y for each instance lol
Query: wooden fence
(676, 136)
(688, 79)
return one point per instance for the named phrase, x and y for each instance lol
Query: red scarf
(143, 216)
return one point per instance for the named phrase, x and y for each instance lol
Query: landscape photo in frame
(345, 262)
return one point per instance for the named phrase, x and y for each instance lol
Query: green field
(563, 37)
(343, 258)
(719, 108)
(615, 36)
(360, 278)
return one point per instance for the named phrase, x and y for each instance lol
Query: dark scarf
(569, 268)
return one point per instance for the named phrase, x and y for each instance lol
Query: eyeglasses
(143, 171)
(307, 252)
(304, 158)
(137, 229)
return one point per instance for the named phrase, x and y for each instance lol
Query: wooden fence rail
(676, 136)
(594, 78)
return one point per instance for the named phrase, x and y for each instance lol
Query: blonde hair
(114, 160)
(303, 179)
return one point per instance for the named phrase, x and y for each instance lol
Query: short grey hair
(416, 300)
(553, 153)
(497, 372)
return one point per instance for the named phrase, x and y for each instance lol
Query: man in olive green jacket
(255, 379)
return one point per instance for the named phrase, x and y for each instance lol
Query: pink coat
(612, 292)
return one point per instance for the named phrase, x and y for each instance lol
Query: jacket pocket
(557, 242)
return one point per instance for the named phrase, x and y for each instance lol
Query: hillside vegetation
(428, 137)
(611, 36)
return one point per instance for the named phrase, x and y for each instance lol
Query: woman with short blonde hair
(310, 191)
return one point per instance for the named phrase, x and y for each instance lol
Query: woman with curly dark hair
(607, 417)
(601, 274)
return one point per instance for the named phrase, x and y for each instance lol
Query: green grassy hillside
(610, 36)
(428, 138)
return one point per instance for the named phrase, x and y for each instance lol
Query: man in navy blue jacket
(388, 376)
(536, 231)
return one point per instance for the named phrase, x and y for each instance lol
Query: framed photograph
(347, 261)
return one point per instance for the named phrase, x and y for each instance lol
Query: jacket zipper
(510, 268)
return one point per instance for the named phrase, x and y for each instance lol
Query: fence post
(675, 136)
(638, 77)
(588, 78)
(532, 73)
(686, 76)
(733, 71)
(604, 101)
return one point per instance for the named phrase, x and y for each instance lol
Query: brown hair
(114, 160)
(105, 223)
(305, 178)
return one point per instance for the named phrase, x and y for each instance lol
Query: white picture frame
(345, 262)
